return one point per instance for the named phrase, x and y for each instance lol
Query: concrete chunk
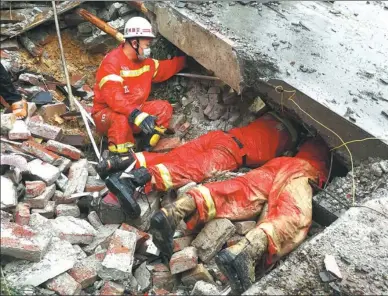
(7, 122)
(45, 131)
(21, 242)
(15, 160)
(48, 111)
(204, 288)
(59, 258)
(211, 238)
(102, 238)
(19, 131)
(60, 198)
(74, 230)
(85, 271)
(141, 236)
(200, 273)
(121, 249)
(94, 220)
(43, 171)
(111, 288)
(61, 182)
(243, 227)
(182, 242)
(22, 214)
(40, 223)
(34, 188)
(6, 217)
(64, 149)
(47, 211)
(78, 174)
(80, 253)
(64, 284)
(40, 202)
(184, 260)
(63, 164)
(8, 195)
(143, 277)
(67, 210)
(40, 151)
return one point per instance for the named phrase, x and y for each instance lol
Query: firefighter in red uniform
(281, 184)
(123, 84)
(216, 152)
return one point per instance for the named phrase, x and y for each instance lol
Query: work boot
(164, 222)
(238, 262)
(114, 162)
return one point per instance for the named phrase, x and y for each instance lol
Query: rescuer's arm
(167, 68)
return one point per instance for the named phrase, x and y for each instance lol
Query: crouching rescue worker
(282, 183)
(123, 84)
(216, 152)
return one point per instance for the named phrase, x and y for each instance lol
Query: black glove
(143, 120)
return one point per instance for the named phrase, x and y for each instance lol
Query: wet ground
(333, 52)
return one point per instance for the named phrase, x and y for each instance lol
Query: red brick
(41, 201)
(21, 242)
(141, 236)
(77, 80)
(64, 149)
(94, 184)
(47, 211)
(35, 188)
(162, 277)
(40, 151)
(22, 214)
(37, 119)
(167, 144)
(184, 127)
(111, 288)
(182, 242)
(45, 131)
(184, 260)
(19, 131)
(85, 271)
(48, 111)
(176, 121)
(64, 284)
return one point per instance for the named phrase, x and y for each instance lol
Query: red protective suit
(122, 86)
(282, 183)
(218, 151)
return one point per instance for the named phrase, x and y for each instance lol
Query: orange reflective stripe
(205, 192)
(111, 77)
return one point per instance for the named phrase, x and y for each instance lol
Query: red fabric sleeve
(167, 68)
(113, 93)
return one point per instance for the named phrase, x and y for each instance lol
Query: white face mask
(146, 54)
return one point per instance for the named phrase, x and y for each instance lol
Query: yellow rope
(279, 89)
(355, 141)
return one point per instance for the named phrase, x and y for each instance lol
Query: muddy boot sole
(245, 269)
(162, 233)
(224, 261)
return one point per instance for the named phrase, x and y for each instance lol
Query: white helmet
(138, 27)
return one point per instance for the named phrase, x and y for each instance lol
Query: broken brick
(176, 121)
(94, 184)
(40, 202)
(74, 230)
(64, 284)
(67, 210)
(94, 220)
(204, 288)
(111, 288)
(121, 249)
(60, 198)
(34, 188)
(78, 174)
(183, 129)
(102, 239)
(7, 122)
(43, 171)
(8, 195)
(167, 144)
(77, 80)
(85, 271)
(40, 151)
(45, 131)
(234, 240)
(22, 214)
(162, 277)
(182, 242)
(48, 111)
(220, 230)
(184, 260)
(141, 236)
(63, 149)
(19, 131)
(14, 160)
(244, 226)
(36, 119)
(5, 216)
(47, 211)
(31, 109)
(200, 273)
(21, 242)
(61, 182)
(63, 164)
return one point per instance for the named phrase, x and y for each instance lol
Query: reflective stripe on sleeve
(208, 200)
(139, 119)
(140, 157)
(111, 77)
(156, 68)
(165, 174)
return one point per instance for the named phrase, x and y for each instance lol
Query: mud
(314, 47)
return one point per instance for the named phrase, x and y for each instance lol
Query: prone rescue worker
(282, 184)
(123, 84)
(216, 152)
(10, 96)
